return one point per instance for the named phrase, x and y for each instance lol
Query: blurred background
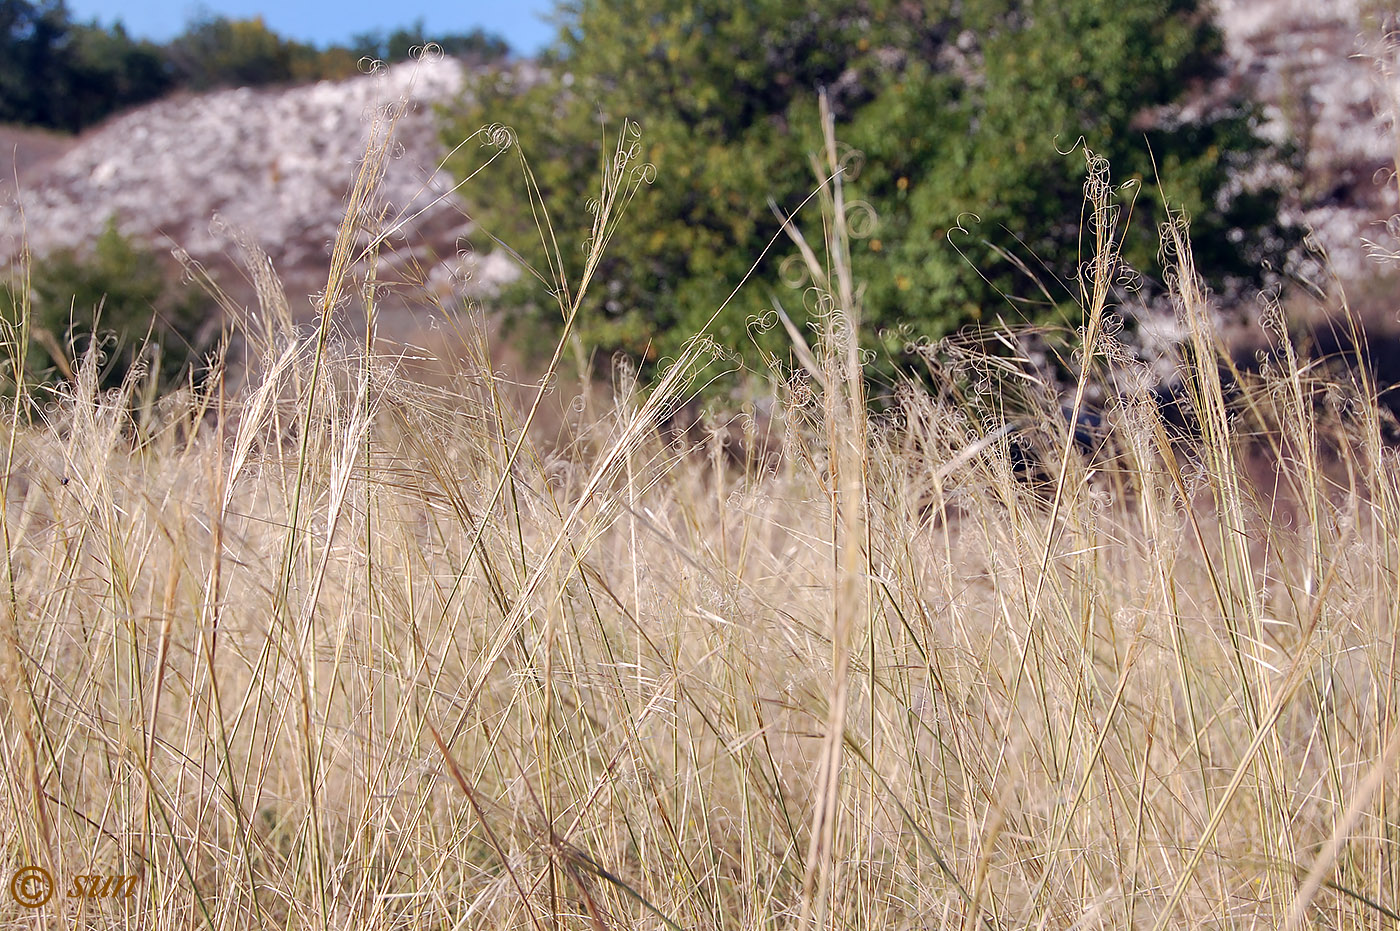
(134, 134)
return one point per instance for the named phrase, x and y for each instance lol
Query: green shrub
(399, 45)
(116, 294)
(960, 112)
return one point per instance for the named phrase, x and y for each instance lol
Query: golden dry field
(319, 644)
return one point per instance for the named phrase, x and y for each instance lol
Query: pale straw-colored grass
(335, 649)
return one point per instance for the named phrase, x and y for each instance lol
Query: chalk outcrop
(1327, 76)
(272, 164)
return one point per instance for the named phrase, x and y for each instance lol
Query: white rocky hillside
(276, 163)
(273, 164)
(1327, 74)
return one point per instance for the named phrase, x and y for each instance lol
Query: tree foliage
(959, 111)
(114, 293)
(65, 75)
(220, 52)
(216, 51)
(399, 44)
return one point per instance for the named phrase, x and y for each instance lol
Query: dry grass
(335, 649)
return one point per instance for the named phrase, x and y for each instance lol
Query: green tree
(957, 107)
(398, 45)
(32, 37)
(65, 75)
(216, 51)
(108, 71)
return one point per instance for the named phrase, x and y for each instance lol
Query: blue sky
(326, 21)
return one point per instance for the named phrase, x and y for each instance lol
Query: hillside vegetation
(58, 73)
(203, 171)
(960, 120)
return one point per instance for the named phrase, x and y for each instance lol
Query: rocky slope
(271, 164)
(1327, 75)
